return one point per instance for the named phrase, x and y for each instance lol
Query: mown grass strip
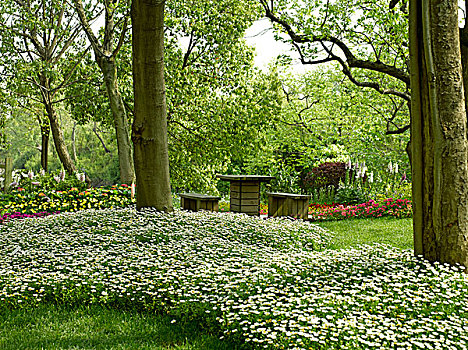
(57, 327)
(352, 233)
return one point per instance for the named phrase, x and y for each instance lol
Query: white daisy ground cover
(268, 283)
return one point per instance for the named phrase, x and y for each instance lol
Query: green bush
(349, 195)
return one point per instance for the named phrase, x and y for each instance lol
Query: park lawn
(97, 327)
(353, 232)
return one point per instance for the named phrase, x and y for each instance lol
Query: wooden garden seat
(288, 204)
(197, 201)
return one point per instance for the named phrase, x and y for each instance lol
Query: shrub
(349, 195)
(324, 175)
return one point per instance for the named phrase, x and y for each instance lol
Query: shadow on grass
(55, 327)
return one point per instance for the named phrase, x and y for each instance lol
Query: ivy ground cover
(267, 283)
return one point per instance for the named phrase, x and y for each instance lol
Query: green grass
(351, 233)
(54, 327)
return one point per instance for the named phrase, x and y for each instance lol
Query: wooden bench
(7, 166)
(288, 204)
(197, 201)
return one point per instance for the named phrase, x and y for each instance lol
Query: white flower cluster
(392, 168)
(264, 281)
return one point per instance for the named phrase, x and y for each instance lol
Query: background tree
(36, 38)
(368, 42)
(106, 47)
(219, 104)
(324, 117)
(149, 131)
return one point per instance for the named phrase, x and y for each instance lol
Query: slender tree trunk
(438, 133)
(45, 133)
(57, 134)
(122, 133)
(73, 139)
(105, 54)
(149, 131)
(100, 139)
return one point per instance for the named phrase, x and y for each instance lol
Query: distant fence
(6, 171)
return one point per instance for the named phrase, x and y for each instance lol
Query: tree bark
(149, 131)
(438, 133)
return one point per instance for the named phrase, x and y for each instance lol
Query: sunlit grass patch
(352, 233)
(58, 327)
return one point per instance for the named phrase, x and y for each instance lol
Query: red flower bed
(400, 208)
(10, 216)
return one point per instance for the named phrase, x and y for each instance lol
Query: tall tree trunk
(122, 133)
(438, 133)
(45, 133)
(149, 131)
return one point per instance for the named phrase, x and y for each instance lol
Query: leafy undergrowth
(267, 283)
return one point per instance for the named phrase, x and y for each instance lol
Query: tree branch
(351, 60)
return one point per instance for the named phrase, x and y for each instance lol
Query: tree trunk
(100, 139)
(122, 133)
(149, 131)
(73, 139)
(105, 56)
(45, 133)
(57, 134)
(438, 133)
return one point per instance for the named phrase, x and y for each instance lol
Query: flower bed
(260, 281)
(399, 208)
(11, 216)
(24, 202)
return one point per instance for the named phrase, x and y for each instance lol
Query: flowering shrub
(399, 208)
(326, 174)
(43, 181)
(260, 281)
(24, 202)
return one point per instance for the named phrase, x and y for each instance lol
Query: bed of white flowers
(269, 283)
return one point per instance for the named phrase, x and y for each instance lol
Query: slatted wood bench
(197, 201)
(288, 204)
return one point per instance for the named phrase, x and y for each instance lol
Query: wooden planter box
(197, 201)
(245, 192)
(288, 204)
